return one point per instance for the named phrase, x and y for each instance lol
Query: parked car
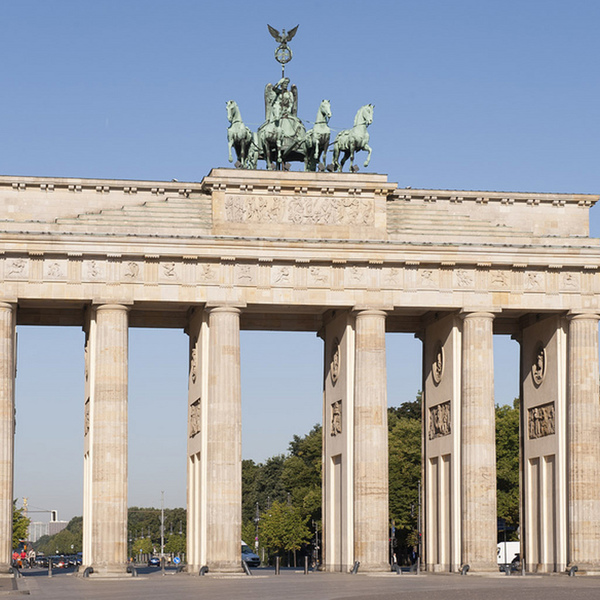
(41, 561)
(154, 561)
(251, 559)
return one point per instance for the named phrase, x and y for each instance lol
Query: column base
(225, 567)
(111, 571)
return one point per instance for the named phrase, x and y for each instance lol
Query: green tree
(20, 525)
(507, 466)
(143, 546)
(283, 528)
(404, 425)
(175, 544)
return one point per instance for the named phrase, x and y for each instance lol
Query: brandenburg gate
(350, 257)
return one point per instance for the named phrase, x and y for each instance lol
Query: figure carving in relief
(132, 270)
(464, 278)
(336, 418)
(318, 274)
(283, 276)
(207, 273)
(86, 358)
(499, 279)
(427, 278)
(533, 281)
(245, 272)
(54, 269)
(541, 421)
(86, 422)
(538, 369)
(356, 274)
(334, 367)
(195, 418)
(392, 276)
(17, 267)
(437, 368)
(169, 269)
(194, 360)
(569, 281)
(439, 420)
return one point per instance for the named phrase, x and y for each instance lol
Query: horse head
(232, 110)
(364, 115)
(325, 110)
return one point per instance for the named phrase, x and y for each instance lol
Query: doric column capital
(581, 315)
(360, 311)
(112, 306)
(4, 305)
(477, 313)
(226, 308)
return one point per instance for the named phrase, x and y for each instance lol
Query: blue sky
(487, 95)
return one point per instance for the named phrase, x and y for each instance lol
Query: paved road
(294, 585)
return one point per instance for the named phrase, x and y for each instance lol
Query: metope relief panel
(169, 271)
(130, 271)
(55, 269)
(208, 273)
(318, 276)
(94, 270)
(355, 277)
(195, 418)
(282, 276)
(16, 268)
(499, 280)
(439, 420)
(299, 210)
(464, 279)
(336, 418)
(541, 421)
(534, 281)
(246, 274)
(570, 282)
(392, 278)
(428, 278)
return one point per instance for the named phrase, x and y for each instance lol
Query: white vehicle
(508, 551)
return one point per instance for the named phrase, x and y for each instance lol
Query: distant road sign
(177, 560)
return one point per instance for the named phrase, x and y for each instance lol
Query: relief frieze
(439, 420)
(336, 418)
(195, 418)
(541, 421)
(299, 210)
(17, 268)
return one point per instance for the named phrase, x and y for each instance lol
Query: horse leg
(336, 154)
(367, 147)
(230, 144)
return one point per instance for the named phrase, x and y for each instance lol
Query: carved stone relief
(54, 269)
(533, 281)
(336, 418)
(538, 367)
(300, 210)
(16, 268)
(318, 275)
(570, 281)
(195, 418)
(439, 420)
(499, 279)
(194, 361)
(464, 278)
(132, 270)
(86, 421)
(541, 421)
(207, 273)
(169, 270)
(437, 367)
(245, 274)
(282, 275)
(334, 366)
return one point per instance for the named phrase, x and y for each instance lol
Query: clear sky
(486, 95)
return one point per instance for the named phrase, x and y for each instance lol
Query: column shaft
(7, 429)
(224, 442)
(583, 442)
(108, 424)
(370, 443)
(478, 449)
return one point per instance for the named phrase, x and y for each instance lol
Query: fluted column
(478, 450)
(7, 429)
(583, 442)
(224, 442)
(370, 443)
(108, 428)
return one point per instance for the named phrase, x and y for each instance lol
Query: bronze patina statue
(283, 138)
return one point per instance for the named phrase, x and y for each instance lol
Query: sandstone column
(583, 442)
(108, 431)
(224, 442)
(370, 443)
(7, 429)
(478, 450)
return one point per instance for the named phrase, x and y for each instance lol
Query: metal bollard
(162, 564)
(464, 569)
(398, 569)
(277, 565)
(203, 570)
(49, 567)
(306, 565)
(355, 568)
(246, 568)
(573, 570)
